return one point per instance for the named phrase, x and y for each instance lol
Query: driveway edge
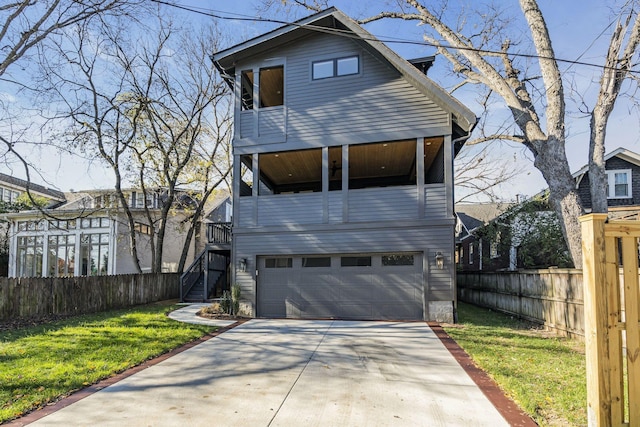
(511, 412)
(78, 395)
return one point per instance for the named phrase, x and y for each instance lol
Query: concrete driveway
(296, 373)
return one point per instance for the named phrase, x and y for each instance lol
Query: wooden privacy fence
(551, 297)
(29, 297)
(612, 325)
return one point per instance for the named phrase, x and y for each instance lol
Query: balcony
(219, 232)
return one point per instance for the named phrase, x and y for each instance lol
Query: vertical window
(471, 248)
(94, 251)
(246, 175)
(271, 86)
(335, 168)
(493, 248)
(619, 184)
(62, 254)
(246, 89)
(29, 256)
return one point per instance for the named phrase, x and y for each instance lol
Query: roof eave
(225, 62)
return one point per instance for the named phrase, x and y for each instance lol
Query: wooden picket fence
(32, 297)
(612, 323)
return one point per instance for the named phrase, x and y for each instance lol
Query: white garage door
(370, 286)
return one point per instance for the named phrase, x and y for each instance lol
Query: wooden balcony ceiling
(378, 160)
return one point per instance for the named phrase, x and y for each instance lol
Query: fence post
(596, 322)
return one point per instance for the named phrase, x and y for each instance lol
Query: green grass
(42, 363)
(544, 374)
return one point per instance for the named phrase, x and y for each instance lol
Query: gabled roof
(22, 185)
(334, 21)
(474, 215)
(621, 153)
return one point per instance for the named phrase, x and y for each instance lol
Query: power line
(383, 39)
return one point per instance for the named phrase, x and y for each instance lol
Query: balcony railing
(219, 232)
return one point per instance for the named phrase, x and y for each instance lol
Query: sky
(580, 30)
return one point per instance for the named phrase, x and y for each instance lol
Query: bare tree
(479, 172)
(617, 67)
(142, 103)
(25, 25)
(485, 55)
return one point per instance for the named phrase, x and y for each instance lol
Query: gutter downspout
(455, 278)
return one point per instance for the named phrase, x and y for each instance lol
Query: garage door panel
(398, 311)
(353, 292)
(356, 311)
(350, 292)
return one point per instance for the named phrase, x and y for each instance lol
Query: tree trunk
(552, 162)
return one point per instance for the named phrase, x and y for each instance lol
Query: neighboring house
(623, 184)
(89, 235)
(11, 190)
(473, 253)
(623, 196)
(343, 176)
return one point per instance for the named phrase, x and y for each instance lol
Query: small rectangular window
(335, 67)
(355, 261)
(397, 259)
(316, 262)
(347, 66)
(619, 184)
(322, 69)
(278, 262)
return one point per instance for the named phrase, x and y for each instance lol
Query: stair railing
(193, 274)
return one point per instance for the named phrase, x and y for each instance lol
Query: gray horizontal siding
(335, 207)
(283, 209)
(365, 205)
(435, 202)
(271, 124)
(375, 204)
(246, 124)
(245, 211)
(344, 108)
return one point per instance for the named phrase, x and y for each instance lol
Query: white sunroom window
(619, 184)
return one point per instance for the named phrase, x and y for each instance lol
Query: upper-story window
(619, 184)
(271, 91)
(335, 67)
(271, 86)
(246, 87)
(8, 195)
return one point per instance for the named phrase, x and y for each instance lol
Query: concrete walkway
(296, 373)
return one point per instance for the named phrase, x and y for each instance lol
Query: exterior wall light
(243, 264)
(439, 261)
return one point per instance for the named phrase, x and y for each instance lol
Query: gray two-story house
(343, 176)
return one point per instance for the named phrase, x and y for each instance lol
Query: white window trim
(611, 183)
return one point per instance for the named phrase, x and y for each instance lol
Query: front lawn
(544, 374)
(40, 364)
